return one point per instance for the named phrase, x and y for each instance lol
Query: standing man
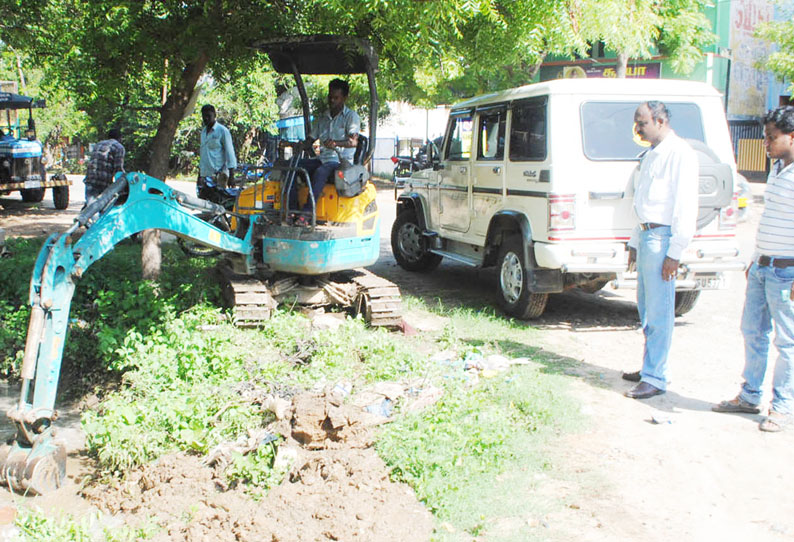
(770, 284)
(107, 158)
(666, 203)
(216, 159)
(337, 130)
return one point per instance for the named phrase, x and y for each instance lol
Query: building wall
(749, 84)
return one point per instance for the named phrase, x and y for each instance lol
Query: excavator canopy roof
(320, 54)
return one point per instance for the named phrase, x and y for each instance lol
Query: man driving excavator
(337, 130)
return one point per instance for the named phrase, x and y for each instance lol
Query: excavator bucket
(39, 469)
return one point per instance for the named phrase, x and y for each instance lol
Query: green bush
(110, 302)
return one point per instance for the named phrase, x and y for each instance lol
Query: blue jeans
(656, 305)
(319, 174)
(768, 302)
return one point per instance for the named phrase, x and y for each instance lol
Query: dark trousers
(319, 174)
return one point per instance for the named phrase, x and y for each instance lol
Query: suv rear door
(453, 185)
(489, 167)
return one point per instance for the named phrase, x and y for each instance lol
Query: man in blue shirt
(216, 160)
(337, 130)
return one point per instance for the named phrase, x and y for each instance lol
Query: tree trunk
(533, 69)
(248, 140)
(170, 116)
(623, 62)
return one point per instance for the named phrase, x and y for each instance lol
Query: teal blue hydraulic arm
(133, 203)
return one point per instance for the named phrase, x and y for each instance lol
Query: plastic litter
(381, 408)
(342, 389)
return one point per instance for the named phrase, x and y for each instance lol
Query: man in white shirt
(216, 157)
(770, 285)
(666, 203)
(337, 130)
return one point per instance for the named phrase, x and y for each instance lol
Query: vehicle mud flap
(545, 281)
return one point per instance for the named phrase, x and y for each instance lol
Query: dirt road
(694, 476)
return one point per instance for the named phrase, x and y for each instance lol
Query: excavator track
(252, 300)
(379, 299)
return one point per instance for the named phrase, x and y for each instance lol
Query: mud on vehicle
(538, 181)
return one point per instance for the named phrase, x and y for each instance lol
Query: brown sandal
(737, 405)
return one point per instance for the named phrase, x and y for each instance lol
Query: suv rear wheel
(685, 301)
(514, 295)
(408, 244)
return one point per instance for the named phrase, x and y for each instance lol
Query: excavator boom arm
(148, 204)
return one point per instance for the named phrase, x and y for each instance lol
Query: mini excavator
(266, 257)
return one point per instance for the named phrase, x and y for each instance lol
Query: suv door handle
(606, 195)
(497, 170)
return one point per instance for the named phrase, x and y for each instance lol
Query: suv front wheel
(514, 295)
(408, 244)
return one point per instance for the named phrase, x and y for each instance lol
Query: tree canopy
(781, 33)
(137, 62)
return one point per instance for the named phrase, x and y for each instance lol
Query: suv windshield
(608, 128)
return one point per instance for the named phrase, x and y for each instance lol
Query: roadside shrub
(109, 302)
(181, 393)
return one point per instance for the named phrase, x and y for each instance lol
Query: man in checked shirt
(770, 285)
(107, 158)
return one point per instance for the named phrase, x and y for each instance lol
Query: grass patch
(187, 377)
(471, 458)
(110, 303)
(34, 526)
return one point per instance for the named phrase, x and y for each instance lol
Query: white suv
(538, 181)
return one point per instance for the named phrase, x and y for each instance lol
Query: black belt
(650, 225)
(780, 263)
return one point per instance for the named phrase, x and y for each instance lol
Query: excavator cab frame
(322, 54)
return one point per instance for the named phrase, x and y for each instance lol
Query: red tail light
(729, 216)
(562, 212)
(394, 159)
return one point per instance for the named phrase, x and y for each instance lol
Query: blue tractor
(22, 166)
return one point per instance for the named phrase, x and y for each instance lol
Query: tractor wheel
(60, 197)
(32, 195)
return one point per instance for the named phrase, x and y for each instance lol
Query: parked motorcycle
(404, 166)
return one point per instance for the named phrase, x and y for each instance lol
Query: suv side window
(491, 141)
(528, 131)
(459, 137)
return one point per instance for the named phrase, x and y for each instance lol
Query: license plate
(32, 184)
(710, 283)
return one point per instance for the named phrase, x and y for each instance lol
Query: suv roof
(646, 89)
